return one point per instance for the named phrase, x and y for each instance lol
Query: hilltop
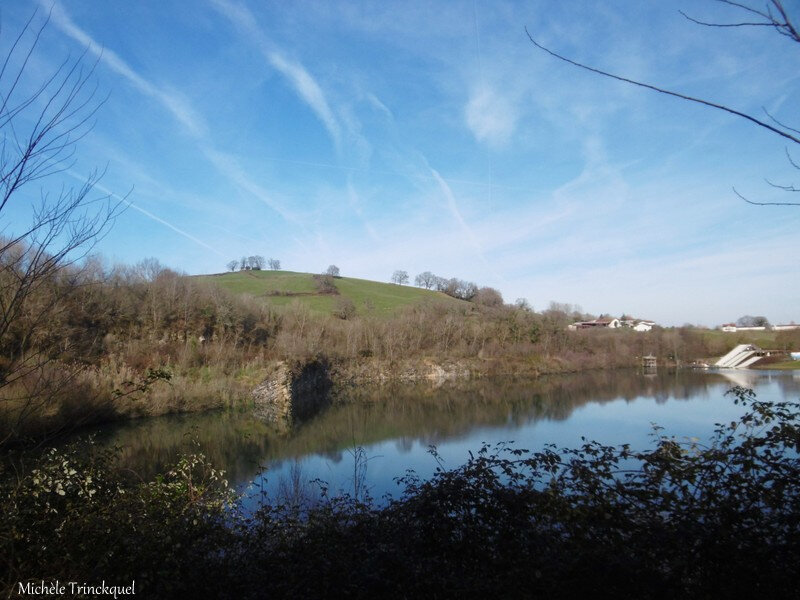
(325, 294)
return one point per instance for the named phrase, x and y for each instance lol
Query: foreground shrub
(75, 516)
(684, 518)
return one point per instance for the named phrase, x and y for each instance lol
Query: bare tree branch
(773, 15)
(791, 161)
(765, 203)
(39, 263)
(782, 25)
(741, 24)
(722, 107)
(778, 123)
(785, 188)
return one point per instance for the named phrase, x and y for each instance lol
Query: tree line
(452, 286)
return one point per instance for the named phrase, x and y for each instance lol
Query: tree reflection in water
(401, 420)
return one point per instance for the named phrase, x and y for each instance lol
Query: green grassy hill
(280, 288)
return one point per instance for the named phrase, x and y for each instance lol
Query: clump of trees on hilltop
(254, 263)
(457, 288)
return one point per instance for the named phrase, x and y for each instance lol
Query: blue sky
(433, 136)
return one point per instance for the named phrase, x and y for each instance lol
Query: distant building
(609, 322)
(644, 326)
(614, 323)
(785, 327)
(637, 324)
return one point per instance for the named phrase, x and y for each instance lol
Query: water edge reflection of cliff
(398, 422)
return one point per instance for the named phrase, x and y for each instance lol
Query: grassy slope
(788, 365)
(369, 297)
(763, 339)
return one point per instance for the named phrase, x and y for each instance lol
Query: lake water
(379, 433)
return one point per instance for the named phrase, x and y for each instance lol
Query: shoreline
(284, 391)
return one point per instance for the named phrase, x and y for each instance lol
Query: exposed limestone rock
(293, 392)
(296, 391)
(405, 370)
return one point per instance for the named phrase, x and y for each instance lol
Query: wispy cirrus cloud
(176, 105)
(310, 91)
(303, 83)
(228, 165)
(355, 203)
(147, 213)
(452, 206)
(490, 116)
(376, 103)
(572, 188)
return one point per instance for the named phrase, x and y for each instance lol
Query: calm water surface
(392, 427)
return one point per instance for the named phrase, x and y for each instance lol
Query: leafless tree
(344, 308)
(769, 14)
(325, 284)
(274, 264)
(488, 296)
(523, 304)
(42, 117)
(458, 288)
(148, 269)
(400, 277)
(332, 270)
(751, 321)
(425, 279)
(232, 264)
(256, 262)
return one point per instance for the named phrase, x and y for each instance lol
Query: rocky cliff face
(380, 372)
(293, 392)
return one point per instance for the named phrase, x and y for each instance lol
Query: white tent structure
(741, 357)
